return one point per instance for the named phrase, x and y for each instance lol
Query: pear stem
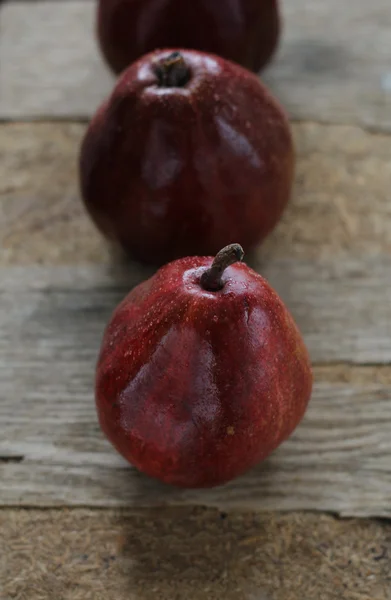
(211, 278)
(172, 71)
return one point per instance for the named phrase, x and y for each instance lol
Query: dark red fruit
(202, 372)
(245, 31)
(189, 153)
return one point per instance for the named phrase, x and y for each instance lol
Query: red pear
(189, 153)
(202, 372)
(245, 31)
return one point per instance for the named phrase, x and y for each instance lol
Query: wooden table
(76, 522)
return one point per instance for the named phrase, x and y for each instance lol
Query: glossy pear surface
(196, 386)
(174, 170)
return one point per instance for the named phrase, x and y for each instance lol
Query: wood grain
(50, 65)
(329, 259)
(333, 64)
(51, 322)
(340, 205)
(187, 554)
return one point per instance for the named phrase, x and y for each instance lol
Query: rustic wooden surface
(53, 316)
(329, 259)
(340, 205)
(333, 65)
(337, 460)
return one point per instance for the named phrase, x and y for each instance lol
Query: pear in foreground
(202, 372)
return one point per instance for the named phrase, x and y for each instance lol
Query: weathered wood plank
(338, 461)
(333, 64)
(50, 65)
(51, 321)
(343, 308)
(341, 202)
(42, 218)
(191, 554)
